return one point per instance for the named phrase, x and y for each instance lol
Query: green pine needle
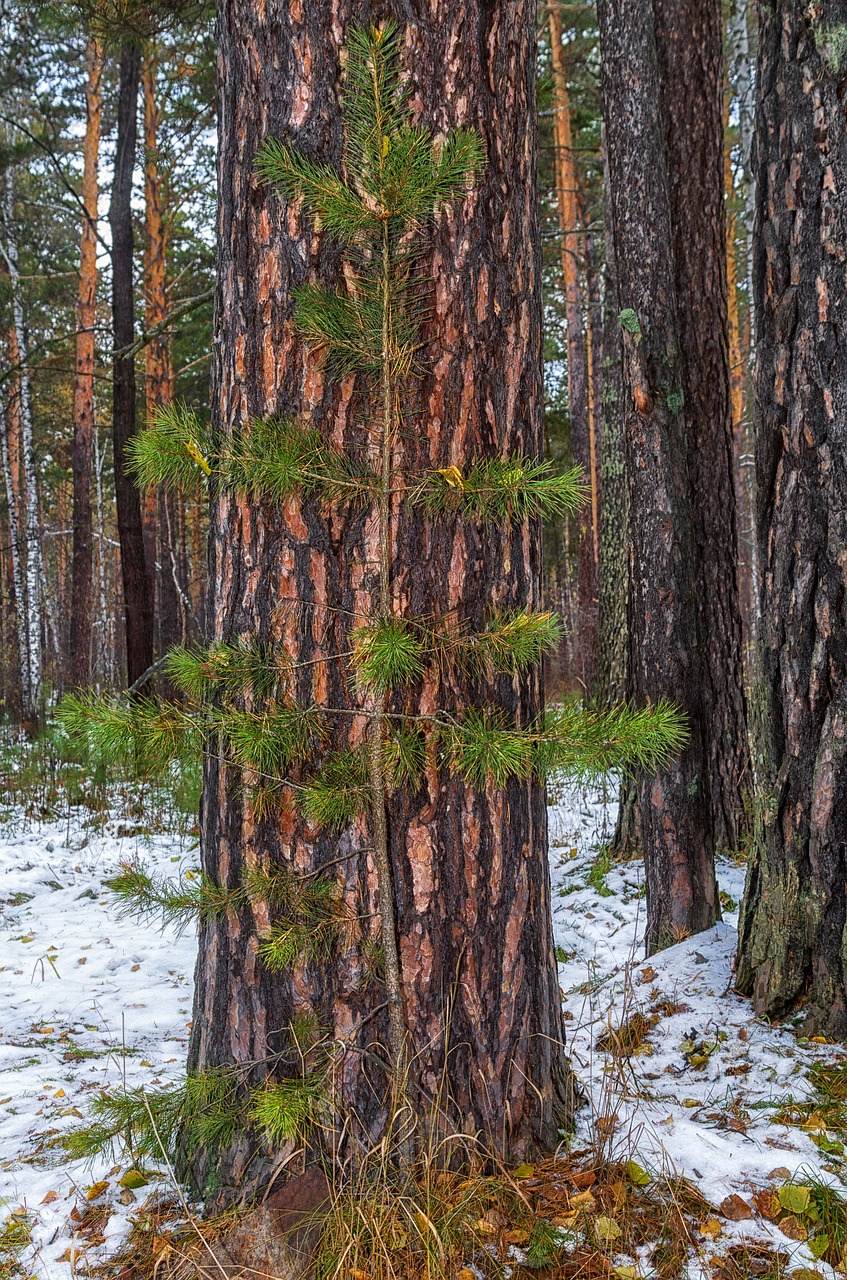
(286, 1110)
(272, 741)
(582, 744)
(482, 749)
(276, 459)
(144, 894)
(404, 756)
(140, 734)
(386, 653)
(175, 450)
(337, 793)
(337, 208)
(245, 667)
(513, 642)
(502, 492)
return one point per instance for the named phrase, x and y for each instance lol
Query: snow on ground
(92, 999)
(88, 1000)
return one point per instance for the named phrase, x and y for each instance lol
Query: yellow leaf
(794, 1198)
(523, 1171)
(518, 1236)
(453, 477)
(711, 1228)
(606, 1230)
(60, 1093)
(584, 1200)
(50, 1197)
(690, 1103)
(97, 1190)
(820, 1040)
(640, 1177)
(626, 1273)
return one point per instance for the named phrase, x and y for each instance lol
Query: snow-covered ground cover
(93, 999)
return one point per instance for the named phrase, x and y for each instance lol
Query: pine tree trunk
(613, 581)
(160, 523)
(82, 570)
(17, 576)
(793, 937)
(585, 638)
(138, 607)
(32, 558)
(664, 657)
(689, 36)
(471, 881)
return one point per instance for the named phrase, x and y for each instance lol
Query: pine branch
(277, 458)
(337, 793)
(274, 740)
(144, 735)
(325, 197)
(180, 902)
(501, 491)
(287, 1109)
(385, 653)
(513, 642)
(174, 450)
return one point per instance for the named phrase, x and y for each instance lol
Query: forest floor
(681, 1080)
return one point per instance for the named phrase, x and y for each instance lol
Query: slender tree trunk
(793, 935)
(469, 868)
(613, 577)
(689, 36)
(160, 511)
(32, 562)
(15, 553)
(578, 372)
(81, 574)
(664, 657)
(138, 607)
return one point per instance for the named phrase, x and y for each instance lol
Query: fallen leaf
(523, 1171)
(606, 1230)
(97, 1190)
(465, 1274)
(134, 968)
(640, 1177)
(793, 1228)
(648, 975)
(768, 1205)
(134, 1178)
(626, 1273)
(711, 1228)
(795, 1198)
(735, 1208)
(127, 1196)
(60, 1093)
(690, 1103)
(584, 1201)
(518, 1236)
(50, 1197)
(584, 1178)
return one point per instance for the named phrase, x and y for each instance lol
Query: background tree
(664, 650)
(792, 933)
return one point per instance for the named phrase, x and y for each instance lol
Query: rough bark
(17, 577)
(32, 525)
(160, 507)
(793, 936)
(689, 46)
(470, 873)
(664, 657)
(581, 424)
(138, 609)
(79, 666)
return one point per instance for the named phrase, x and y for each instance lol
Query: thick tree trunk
(470, 873)
(793, 938)
(581, 424)
(689, 36)
(664, 657)
(17, 577)
(138, 606)
(83, 555)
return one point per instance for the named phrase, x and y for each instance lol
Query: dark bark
(689, 43)
(793, 938)
(470, 871)
(664, 657)
(138, 612)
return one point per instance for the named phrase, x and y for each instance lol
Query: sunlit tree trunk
(581, 424)
(471, 882)
(82, 569)
(793, 934)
